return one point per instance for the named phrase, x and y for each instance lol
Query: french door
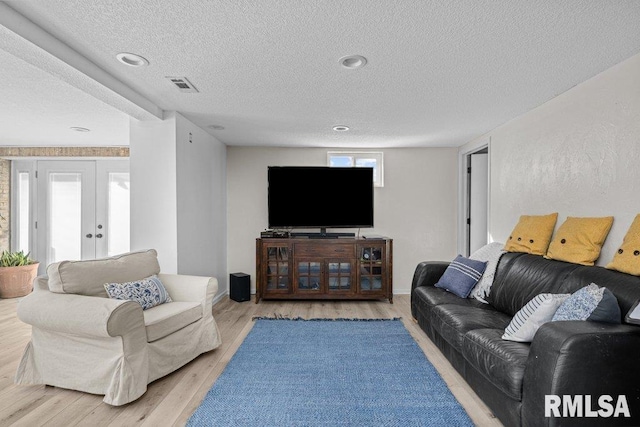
(82, 209)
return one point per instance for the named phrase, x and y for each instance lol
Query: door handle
(89, 236)
(99, 236)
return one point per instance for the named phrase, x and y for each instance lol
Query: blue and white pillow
(590, 303)
(461, 276)
(147, 292)
(534, 314)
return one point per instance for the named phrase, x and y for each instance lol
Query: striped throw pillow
(461, 276)
(534, 314)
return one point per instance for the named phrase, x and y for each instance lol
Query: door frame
(464, 155)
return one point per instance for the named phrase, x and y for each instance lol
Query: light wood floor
(171, 400)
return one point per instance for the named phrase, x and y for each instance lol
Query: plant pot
(17, 281)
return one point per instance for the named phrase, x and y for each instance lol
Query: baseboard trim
(219, 297)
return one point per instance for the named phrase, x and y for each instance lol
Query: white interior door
(478, 199)
(82, 209)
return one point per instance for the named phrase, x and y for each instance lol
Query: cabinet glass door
(309, 276)
(340, 276)
(371, 269)
(277, 269)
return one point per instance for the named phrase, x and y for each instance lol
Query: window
(343, 159)
(23, 210)
(22, 204)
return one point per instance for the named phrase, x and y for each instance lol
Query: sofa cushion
(461, 276)
(532, 234)
(590, 303)
(490, 254)
(579, 240)
(165, 319)
(520, 277)
(627, 257)
(433, 296)
(625, 287)
(452, 322)
(535, 313)
(501, 362)
(88, 277)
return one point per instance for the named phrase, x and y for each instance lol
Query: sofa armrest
(581, 358)
(428, 273)
(182, 287)
(80, 314)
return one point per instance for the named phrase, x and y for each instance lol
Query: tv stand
(322, 234)
(345, 268)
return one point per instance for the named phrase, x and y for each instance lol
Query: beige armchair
(83, 340)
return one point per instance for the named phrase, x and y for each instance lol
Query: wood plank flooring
(170, 401)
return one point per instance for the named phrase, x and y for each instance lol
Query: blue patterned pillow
(147, 292)
(461, 276)
(590, 303)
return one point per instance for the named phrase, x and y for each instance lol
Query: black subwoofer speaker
(240, 287)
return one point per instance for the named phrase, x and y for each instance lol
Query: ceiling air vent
(183, 84)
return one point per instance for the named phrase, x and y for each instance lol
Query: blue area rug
(329, 373)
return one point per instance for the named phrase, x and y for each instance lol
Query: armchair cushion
(165, 319)
(88, 277)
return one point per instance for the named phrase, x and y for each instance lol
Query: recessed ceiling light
(341, 128)
(79, 129)
(353, 61)
(216, 127)
(132, 60)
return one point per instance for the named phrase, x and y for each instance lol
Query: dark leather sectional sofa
(574, 358)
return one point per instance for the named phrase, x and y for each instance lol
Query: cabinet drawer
(325, 251)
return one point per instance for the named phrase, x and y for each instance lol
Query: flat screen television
(320, 197)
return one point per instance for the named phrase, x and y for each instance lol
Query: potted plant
(17, 272)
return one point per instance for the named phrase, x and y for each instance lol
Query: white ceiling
(439, 73)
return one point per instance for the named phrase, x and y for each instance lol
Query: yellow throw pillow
(579, 240)
(532, 234)
(627, 259)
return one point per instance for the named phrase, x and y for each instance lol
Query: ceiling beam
(24, 39)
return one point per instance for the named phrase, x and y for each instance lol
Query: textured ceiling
(38, 109)
(438, 73)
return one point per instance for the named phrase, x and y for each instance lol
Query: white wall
(152, 154)
(577, 154)
(416, 207)
(178, 196)
(201, 203)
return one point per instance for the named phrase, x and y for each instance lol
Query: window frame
(378, 156)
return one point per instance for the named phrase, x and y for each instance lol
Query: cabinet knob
(89, 236)
(99, 236)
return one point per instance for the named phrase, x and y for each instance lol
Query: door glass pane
(23, 212)
(65, 216)
(118, 213)
(344, 283)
